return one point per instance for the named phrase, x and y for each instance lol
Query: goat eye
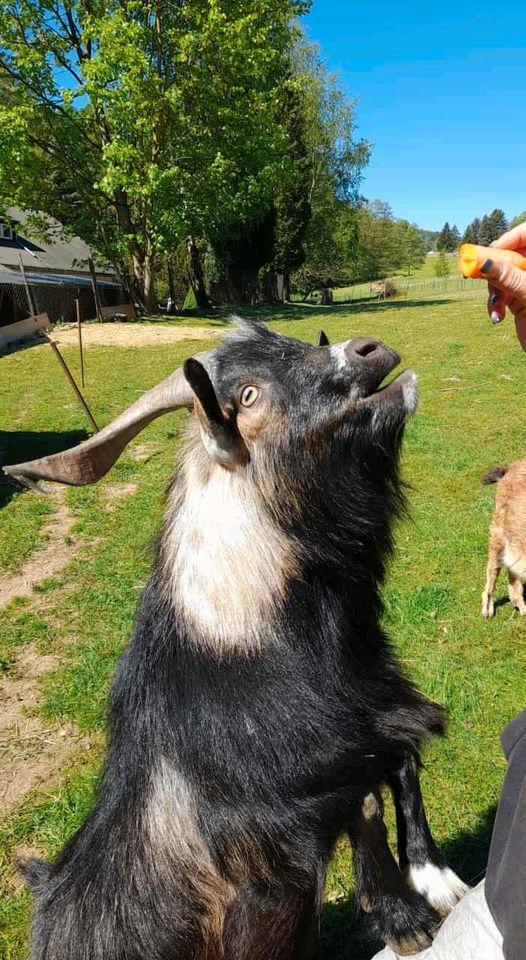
(249, 395)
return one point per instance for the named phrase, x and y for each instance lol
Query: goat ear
(221, 439)
(323, 340)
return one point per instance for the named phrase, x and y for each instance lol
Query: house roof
(38, 255)
(15, 279)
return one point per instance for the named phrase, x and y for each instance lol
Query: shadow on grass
(306, 311)
(16, 446)
(343, 931)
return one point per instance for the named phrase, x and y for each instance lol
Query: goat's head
(261, 399)
(292, 466)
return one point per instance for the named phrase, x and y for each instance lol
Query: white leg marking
(410, 392)
(439, 885)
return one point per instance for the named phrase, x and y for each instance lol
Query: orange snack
(472, 257)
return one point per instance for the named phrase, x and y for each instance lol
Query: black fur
(277, 749)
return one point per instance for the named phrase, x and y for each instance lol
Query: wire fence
(55, 295)
(410, 288)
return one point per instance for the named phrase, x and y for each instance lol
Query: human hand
(507, 284)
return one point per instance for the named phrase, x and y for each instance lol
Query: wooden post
(74, 387)
(95, 289)
(29, 295)
(81, 353)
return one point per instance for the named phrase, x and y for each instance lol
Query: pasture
(87, 555)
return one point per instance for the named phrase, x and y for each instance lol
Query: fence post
(95, 289)
(81, 352)
(29, 294)
(69, 375)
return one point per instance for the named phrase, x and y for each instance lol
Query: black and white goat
(259, 709)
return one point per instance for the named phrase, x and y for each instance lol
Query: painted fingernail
(486, 266)
(495, 317)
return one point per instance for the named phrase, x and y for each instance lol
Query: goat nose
(362, 346)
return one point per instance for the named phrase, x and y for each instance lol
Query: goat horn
(90, 460)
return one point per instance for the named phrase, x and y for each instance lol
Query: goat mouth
(401, 391)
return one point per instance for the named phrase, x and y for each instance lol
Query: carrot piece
(472, 257)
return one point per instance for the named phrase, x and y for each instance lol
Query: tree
(470, 235)
(139, 126)
(448, 238)
(498, 222)
(292, 204)
(378, 248)
(411, 251)
(455, 237)
(335, 160)
(441, 265)
(476, 224)
(486, 232)
(520, 218)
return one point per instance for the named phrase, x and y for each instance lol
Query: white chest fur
(226, 562)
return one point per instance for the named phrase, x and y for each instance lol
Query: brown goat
(507, 535)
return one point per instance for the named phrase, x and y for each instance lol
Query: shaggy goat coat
(259, 708)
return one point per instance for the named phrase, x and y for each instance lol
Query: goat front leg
(492, 572)
(401, 917)
(423, 865)
(516, 593)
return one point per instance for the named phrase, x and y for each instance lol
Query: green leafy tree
(441, 265)
(292, 205)
(138, 126)
(411, 247)
(335, 159)
(378, 250)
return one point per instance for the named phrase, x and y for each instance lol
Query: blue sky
(442, 97)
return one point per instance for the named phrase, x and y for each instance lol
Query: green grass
(472, 385)
(423, 279)
(20, 526)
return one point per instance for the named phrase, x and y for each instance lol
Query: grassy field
(60, 643)
(420, 281)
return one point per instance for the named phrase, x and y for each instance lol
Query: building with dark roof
(56, 272)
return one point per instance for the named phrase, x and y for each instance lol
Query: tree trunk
(196, 274)
(150, 300)
(142, 256)
(286, 287)
(171, 283)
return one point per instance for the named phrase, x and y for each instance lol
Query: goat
(259, 709)
(507, 535)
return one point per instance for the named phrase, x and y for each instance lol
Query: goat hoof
(488, 611)
(407, 924)
(439, 885)
(415, 943)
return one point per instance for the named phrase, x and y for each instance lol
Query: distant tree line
(481, 230)
(363, 241)
(199, 146)
(486, 229)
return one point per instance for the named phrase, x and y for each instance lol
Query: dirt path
(131, 335)
(47, 559)
(32, 752)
